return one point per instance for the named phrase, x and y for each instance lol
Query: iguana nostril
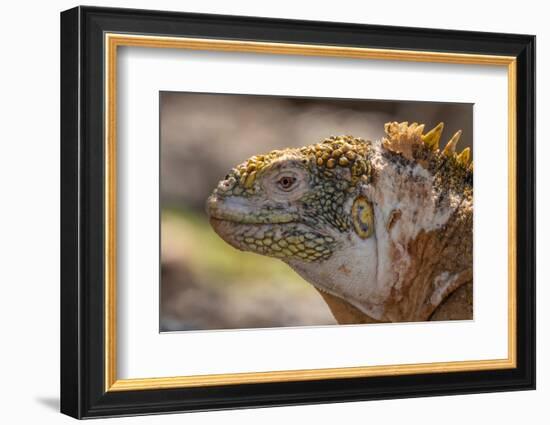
(227, 184)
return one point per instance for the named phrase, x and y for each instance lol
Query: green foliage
(215, 263)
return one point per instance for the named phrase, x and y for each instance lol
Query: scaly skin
(382, 229)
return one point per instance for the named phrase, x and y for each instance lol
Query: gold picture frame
(114, 41)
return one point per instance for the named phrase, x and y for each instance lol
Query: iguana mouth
(241, 218)
(239, 234)
(280, 240)
(223, 209)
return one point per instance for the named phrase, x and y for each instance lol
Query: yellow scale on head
(343, 151)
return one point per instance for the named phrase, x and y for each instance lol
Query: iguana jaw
(271, 232)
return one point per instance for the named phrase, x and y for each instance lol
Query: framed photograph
(261, 212)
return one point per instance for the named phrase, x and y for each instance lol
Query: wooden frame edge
(137, 384)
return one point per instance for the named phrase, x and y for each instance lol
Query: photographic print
(293, 211)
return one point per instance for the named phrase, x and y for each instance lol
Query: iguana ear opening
(362, 217)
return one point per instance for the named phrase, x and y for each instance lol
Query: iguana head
(296, 204)
(341, 212)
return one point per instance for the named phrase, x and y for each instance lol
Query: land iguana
(382, 229)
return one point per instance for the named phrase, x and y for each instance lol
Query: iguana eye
(286, 182)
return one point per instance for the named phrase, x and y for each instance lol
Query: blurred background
(205, 283)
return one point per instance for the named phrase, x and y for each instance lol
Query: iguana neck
(427, 243)
(427, 271)
(440, 262)
(422, 254)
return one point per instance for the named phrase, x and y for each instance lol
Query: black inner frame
(82, 217)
